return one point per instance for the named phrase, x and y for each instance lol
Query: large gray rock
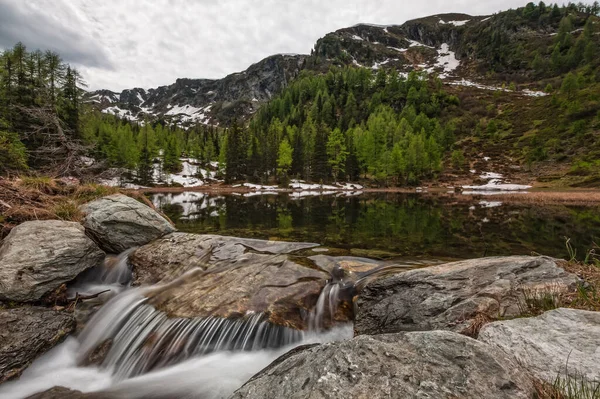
(119, 222)
(452, 296)
(557, 343)
(433, 364)
(28, 332)
(210, 275)
(38, 256)
(175, 254)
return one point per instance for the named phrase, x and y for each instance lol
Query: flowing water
(129, 349)
(152, 356)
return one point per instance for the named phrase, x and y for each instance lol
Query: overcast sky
(120, 44)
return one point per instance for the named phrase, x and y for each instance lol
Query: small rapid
(146, 354)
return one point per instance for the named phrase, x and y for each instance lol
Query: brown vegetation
(43, 198)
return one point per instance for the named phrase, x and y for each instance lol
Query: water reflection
(390, 224)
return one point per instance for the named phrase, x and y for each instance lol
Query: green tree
(337, 153)
(146, 143)
(284, 157)
(569, 86)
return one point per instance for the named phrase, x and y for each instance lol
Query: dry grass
(567, 387)
(480, 320)
(579, 198)
(44, 198)
(587, 296)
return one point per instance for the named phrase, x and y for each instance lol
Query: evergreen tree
(284, 158)
(337, 153)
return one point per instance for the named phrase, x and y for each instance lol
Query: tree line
(346, 124)
(138, 147)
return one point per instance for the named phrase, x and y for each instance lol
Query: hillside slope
(190, 101)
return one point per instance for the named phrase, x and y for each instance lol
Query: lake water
(389, 225)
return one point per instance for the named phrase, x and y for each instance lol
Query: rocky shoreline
(488, 327)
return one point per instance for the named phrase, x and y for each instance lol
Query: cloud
(37, 29)
(119, 44)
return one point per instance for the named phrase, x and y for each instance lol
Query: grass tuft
(67, 210)
(45, 184)
(90, 192)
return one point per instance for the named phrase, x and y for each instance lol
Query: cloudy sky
(120, 44)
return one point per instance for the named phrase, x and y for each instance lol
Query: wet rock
(38, 257)
(558, 343)
(453, 295)
(172, 256)
(434, 364)
(63, 393)
(97, 356)
(119, 222)
(223, 276)
(28, 332)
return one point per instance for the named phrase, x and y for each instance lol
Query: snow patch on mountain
(455, 23)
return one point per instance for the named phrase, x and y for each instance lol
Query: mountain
(455, 46)
(207, 101)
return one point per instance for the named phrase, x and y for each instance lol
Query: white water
(155, 357)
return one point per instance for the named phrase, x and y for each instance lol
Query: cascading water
(144, 339)
(153, 356)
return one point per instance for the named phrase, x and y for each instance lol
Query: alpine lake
(391, 225)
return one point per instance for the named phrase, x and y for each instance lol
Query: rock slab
(28, 332)
(561, 342)
(39, 256)
(119, 222)
(206, 275)
(451, 296)
(432, 364)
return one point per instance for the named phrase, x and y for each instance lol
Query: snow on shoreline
(495, 182)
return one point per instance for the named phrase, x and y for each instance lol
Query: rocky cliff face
(189, 101)
(454, 46)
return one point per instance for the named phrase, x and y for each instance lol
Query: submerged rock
(28, 332)
(224, 276)
(119, 222)
(63, 393)
(434, 364)
(39, 256)
(452, 295)
(562, 342)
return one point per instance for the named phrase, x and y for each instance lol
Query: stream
(152, 356)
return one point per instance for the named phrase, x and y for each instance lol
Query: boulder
(39, 256)
(119, 222)
(432, 364)
(63, 393)
(562, 342)
(205, 275)
(28, 332)
(177, 253)
(452, 296)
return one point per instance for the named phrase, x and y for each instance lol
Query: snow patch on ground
(496, 183)
(356, 37)
(119, 112)
(414, 43)
(468, 83)
(447, 60)
(490, 204)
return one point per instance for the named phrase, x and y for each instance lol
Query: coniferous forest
(333, 122)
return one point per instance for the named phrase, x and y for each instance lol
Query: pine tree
(284, 158)
(337, 153)
(146, 142)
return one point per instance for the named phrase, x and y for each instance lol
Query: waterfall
(144, 339)
(139, 352)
